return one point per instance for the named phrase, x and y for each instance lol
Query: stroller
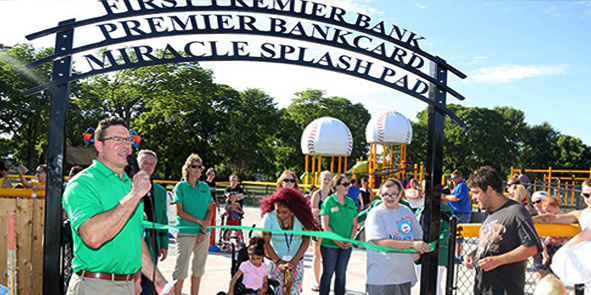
(237, 258)
(227, 243)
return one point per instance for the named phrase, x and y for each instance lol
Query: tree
(246, 143)
(183, 112)
(23, 119)
(490, 137)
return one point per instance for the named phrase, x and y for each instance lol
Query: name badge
(334, 209)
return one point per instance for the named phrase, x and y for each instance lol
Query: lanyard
(287, 241)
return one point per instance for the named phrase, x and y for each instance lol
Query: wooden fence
(30, 219)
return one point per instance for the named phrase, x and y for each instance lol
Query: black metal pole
(433, 186)
(451, 256)
(52, 280)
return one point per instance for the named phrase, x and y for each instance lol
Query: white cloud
(509, 73)
(477, 59)
(555, 10)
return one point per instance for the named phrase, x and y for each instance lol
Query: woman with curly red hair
(287, 209)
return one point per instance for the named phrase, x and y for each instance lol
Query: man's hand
(162, 284)
(469, 260)
(163, 254)
(140, 184)
(138, 285)
(489, 263)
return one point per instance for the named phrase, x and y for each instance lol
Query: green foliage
(23, 119)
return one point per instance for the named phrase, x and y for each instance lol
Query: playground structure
(325, 136)
(388, 129)
(563, 183)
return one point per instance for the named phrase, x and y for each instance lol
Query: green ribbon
(319, 234)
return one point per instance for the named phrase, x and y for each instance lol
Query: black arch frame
(62, 60)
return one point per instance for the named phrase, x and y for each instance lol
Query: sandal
(316, 288)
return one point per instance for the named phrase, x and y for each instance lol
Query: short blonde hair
(519, 192)
(192, 158)
(550, 285)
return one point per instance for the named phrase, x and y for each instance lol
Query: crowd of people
(114, 253)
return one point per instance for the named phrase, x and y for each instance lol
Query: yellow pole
(307, 167)
(340, 159)
(345, 166)
(370, 164)
(331, 163)
(313, 169)
(319, 164)
(422, 172)
(549, 178)
(415, 171)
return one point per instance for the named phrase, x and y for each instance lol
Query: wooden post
(11, 253)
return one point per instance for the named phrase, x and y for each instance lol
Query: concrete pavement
(217, 274)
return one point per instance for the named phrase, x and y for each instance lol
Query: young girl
(254, 270)
(234, 212)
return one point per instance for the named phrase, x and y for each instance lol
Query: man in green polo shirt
(106, 216)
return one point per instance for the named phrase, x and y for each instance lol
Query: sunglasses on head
(39, 171)
(586, 195)
(346, 183)
(196, 166)
(289, 180)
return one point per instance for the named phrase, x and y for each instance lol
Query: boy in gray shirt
(395, 226)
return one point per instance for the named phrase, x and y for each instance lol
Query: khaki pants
(89, 286)
(187, 244)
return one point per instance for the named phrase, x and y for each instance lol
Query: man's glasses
(536, 201)
(39, 171)
(346, 183)
(289, 180)
(586, 195)
(385, 196)
(196, 166)
(118, 139)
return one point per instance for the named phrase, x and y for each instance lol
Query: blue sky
(531, 55)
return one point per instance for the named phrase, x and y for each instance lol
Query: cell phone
(26, 169)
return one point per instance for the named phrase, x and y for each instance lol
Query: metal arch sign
(398, 49)
(385, 54)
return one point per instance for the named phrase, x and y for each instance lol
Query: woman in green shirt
(339, 215)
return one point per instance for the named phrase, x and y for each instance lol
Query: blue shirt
(461, 192)
(354, 193)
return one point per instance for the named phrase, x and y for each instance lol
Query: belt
(105, 276)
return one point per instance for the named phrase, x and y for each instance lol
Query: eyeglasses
(118, 139)
(289, 180)
(39, 171)
(385, 196)
(537, 202)
(345, 183)
(196, 166)
(586, 195)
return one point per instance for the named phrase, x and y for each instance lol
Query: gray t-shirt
(397, 224)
